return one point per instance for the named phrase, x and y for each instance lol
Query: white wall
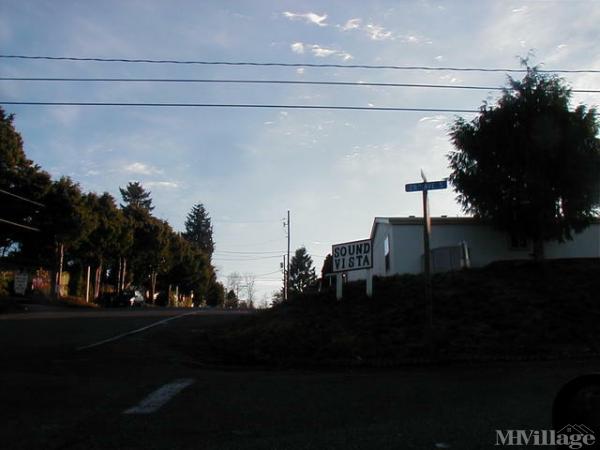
(485, 246)
(584, 245)
(383, 230)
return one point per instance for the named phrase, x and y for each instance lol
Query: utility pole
(284, 272)
(287, 274)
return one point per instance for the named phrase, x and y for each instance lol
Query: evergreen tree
(530, 164)
(327, 266)
(302, 272)
(327, 269)
(215, 296)
(108, 239)
(135, 196)
(198, 229)
(64, 223)
(231, 300)
(187, 267)
(18, 176)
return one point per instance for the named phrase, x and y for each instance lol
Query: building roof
(413, 220)
(443, 220)
(434, 220)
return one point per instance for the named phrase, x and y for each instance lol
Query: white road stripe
(160, 397)
(129, 333)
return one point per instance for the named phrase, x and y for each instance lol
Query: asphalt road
(143, 391)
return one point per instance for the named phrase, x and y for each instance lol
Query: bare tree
(234, 283)
(264, 301)
(249, 287)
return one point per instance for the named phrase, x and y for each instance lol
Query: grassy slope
(502, 311)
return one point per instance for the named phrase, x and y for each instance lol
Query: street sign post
(424, 187)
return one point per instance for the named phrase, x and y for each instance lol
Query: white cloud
(141, 169)
(297, 47)
(309, 17)
(410, 39)
(323, 52)
(300, 70)
(351, 24)
(378, 33)
(162, 184)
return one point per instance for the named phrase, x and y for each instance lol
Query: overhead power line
(280, 64)
(256, 244)
(241, 259)
(279, 252)
(244, 221)
(243, 105)
(21, 198)
(268, 273)
(19, 225)
(246, 81)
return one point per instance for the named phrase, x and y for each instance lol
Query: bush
(502, 311)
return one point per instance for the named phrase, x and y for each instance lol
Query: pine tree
(530, 164)
(302, 272)
(198, 229)
(135, 196)
(18, 176)
(231, 300)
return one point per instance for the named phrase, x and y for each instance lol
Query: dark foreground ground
(55, 397)
(506, 311)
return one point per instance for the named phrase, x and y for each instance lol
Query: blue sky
(335, 170)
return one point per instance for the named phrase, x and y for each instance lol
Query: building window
(386, 253)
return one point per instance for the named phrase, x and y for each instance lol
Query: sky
(334, 170)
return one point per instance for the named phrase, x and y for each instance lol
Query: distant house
(460, 242)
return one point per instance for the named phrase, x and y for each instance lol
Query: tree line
(54, 225)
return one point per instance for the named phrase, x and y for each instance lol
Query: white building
(458, 242)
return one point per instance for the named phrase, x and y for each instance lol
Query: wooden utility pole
(287, 273)
(284, 270)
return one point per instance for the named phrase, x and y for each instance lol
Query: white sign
(20, 283)
(352, 255)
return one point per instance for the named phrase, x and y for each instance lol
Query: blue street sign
(413, 187)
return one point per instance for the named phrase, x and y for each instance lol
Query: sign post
(424, 187)
(339, 282)
(356, 255)
(369, 283)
